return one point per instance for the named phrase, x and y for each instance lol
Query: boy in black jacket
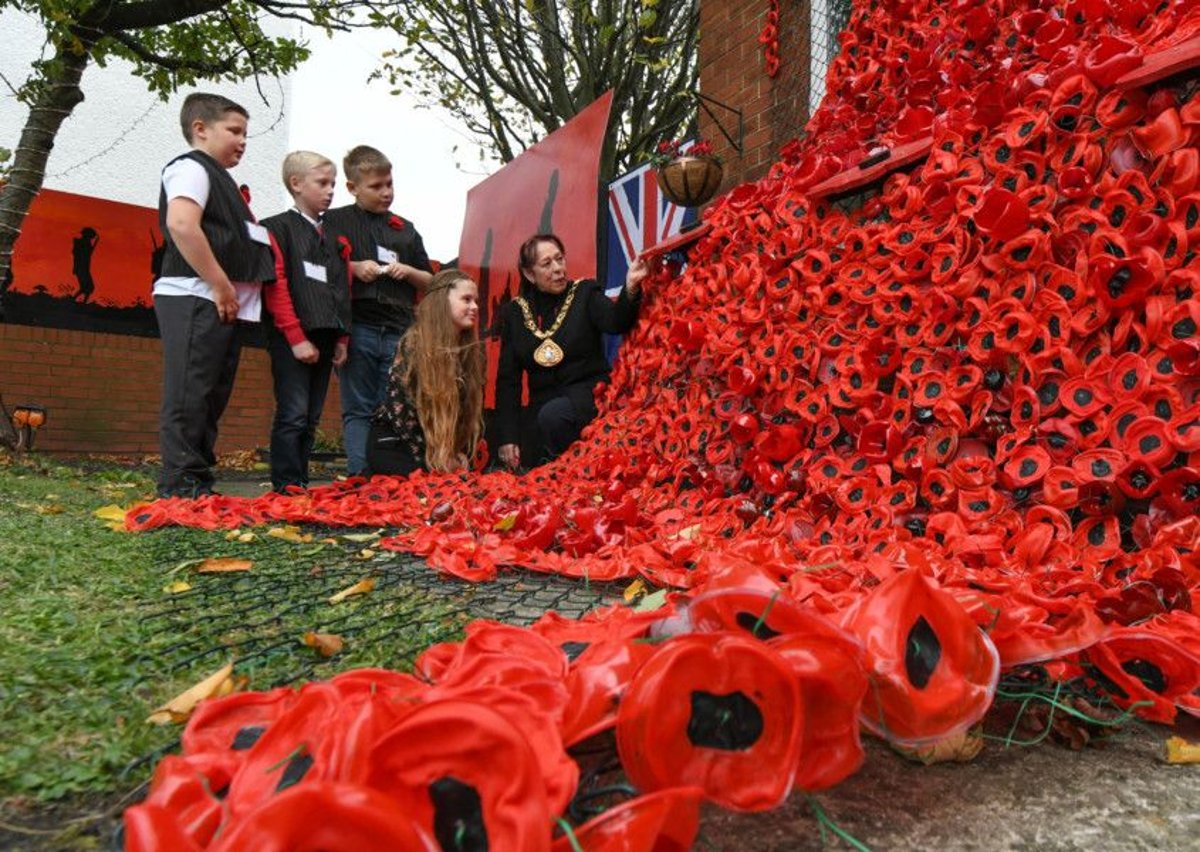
(309, 305)
(215, 260)
(389, 267)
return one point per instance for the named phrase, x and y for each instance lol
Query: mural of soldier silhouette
(82, 249)
(103, 283)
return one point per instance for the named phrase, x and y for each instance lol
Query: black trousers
(559, 424)
(388, 454)
(300, 391)
(200, 360)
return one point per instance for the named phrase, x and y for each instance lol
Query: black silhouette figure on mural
(82, 249)
(156, 257)
(546, 225)
(485, 288)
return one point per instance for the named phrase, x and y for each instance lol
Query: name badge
(386, 255)
(258, 233)
(316, 272)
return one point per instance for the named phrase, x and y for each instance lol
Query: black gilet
(224, 224)
(367, 233)
(318, 304)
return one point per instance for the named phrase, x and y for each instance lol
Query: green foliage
(174, 44)
(513, 72)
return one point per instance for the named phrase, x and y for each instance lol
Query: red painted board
(1162, 64)
(853, 178)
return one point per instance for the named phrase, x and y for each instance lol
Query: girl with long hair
(432, 414)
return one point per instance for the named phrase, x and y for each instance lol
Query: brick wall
(732, 71)
(102, 391)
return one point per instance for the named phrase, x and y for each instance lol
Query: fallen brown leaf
(179, 708)
(223, 566)
(327, 644)
(362, 587)
(1179, 750)
(959, 748)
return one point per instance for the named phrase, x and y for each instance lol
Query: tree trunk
(57, 95)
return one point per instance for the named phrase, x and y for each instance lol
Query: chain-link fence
(826, 19)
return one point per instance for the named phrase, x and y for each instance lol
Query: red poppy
(330, 816)
(396, 223)
(717, 710)
(191, 790)
(1134, 665)
(437, 766)
(1026, 467)
(932, 670)
(598, 678)
(152, 828)
(664, 820)
(829, 665)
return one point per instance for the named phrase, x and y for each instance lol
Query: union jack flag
(638, 218)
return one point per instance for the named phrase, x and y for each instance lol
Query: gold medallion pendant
(548, 354)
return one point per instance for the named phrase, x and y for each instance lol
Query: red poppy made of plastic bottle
(1109, 58)
(234, 723)
(830, 667)
(1135, 665)
(1001, 214)
(1025, 634)
(465, 775)
(716, 710)
(598, 678)
(326, 817)
(933, 672)
(663, 821)
(306, 743)
(155, 828)
(190, 789)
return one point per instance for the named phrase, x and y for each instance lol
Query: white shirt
(185, 178)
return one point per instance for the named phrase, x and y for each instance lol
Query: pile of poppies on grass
(884, 454)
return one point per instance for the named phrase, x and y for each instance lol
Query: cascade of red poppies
(953, 430)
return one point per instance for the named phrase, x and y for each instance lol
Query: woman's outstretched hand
(638, 270)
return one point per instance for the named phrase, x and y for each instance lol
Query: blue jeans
(363, 382)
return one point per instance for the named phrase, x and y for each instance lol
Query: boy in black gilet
(309, 307)
(389, 267)
(216, 258)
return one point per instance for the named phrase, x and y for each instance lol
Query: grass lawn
(97, 629)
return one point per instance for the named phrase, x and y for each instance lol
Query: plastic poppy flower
(1026, 467)
(665, 820)
(151, 828)
(333, 817)
(1179, 491)
(1136, 665)
(597, 680)
(191, 790)
(933, 671)
(437, 766)
(1001, 214)
(716, 710)
(1148, 439)
(829, 664)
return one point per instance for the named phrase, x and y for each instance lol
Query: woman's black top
(583, 366)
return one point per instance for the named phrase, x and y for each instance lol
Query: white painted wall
(116, 142)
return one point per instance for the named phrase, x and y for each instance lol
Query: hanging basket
(690, 181)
